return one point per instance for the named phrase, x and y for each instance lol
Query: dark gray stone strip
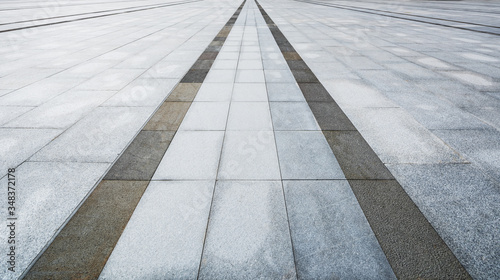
(412, 246)
(83, 246)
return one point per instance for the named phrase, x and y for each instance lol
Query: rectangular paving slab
(252, 216)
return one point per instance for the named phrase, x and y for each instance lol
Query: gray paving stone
(280, 76)
(62, 111)
(444, 116)
(315, 92)
(168, 117)
(249, 155)
(176, 215)
(195, 76)
(452, 197)
(404, 233)
(214, 92)
(249, 116)
(477, 145)
(112, 79)
(184, 92)
(490, 115)
(141, 158)
(39, 92)
(284, 92)
(249, 92)
(8, 113)
(306, 155)
(206, 116)
(253, 216)
(143, 92)
(99, 137)
(192, 155)
(355, 156)
(99, 221)
(330, 117)
(397, 138)
(292, 116)
(355, 93)
(331, 236)
(15, 149)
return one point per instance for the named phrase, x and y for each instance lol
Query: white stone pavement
(425, 97)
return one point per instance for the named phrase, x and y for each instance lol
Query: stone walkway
(270, 139)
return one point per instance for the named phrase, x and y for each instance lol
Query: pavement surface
(307, 139)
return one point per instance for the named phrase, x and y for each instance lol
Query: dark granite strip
(168, 117)
(82, 248)
(142, 157)
(184, 92)
(412, 246)
(84, 245)
(492, 30)
(359, 161)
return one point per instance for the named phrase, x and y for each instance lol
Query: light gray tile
(252, 216)
(62, 111)
(99, 137)
(398, 138)
(8, 113)
(112, 79)
(206, 116)
(284, 92)
(249, 92)
(142, 92)
(292, 116)
(175, 214)
(214, 92)
(461, 202)
(279, 76)
(331, 236)
(39, 92)
(249, 116)
(253, 64)
(355, 93)
(249, 155)
(191, 155)
(306, 155)
(477, 145)
(17, 145)
(220, 76)
(250, 76)
(47, 193)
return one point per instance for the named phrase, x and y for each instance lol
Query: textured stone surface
(141, 158)
(330, 234)
(253, 216)
(306, 155)
(100, 222)
(175, 214)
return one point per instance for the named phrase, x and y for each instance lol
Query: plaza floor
(270, 139)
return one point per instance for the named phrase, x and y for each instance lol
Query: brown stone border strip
(83, 246)
(412, 246)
